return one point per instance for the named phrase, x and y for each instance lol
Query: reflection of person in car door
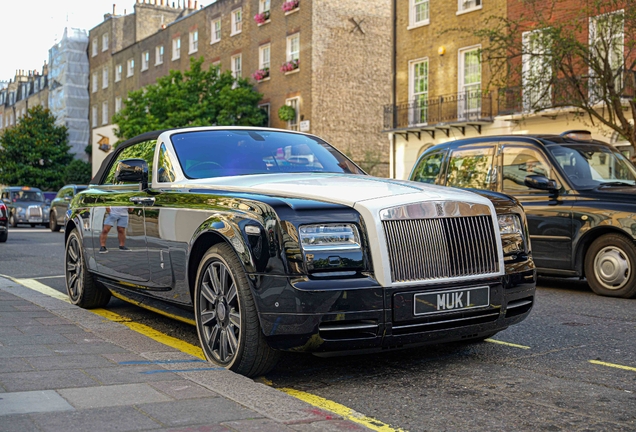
(115, 216)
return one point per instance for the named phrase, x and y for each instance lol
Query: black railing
(464, 107)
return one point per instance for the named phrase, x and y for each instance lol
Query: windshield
(24, 196)
(205, 154)
(591, 165)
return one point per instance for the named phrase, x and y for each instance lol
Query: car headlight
(21, 210)
(329, 237)
(512, 234)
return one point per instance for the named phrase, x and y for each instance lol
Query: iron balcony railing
(464, 107)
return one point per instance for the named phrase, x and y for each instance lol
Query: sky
(30, 28)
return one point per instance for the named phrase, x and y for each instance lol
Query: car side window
(520, 162)
(429, 167)
(143, 150)
(471, 167)
(165, 170)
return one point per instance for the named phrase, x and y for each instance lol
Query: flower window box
(290, 66)
(262, 18)
(261, 74)
(291, 6)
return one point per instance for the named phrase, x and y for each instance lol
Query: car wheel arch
(584, 243)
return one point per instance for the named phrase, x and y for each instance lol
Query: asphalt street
(570, 366)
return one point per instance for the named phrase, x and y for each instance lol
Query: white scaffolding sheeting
(68, 88)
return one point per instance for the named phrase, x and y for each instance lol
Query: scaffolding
(68, 88)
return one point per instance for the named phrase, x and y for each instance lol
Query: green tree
(78, 172)
(35, 152)
(196, 97)
(565, 54)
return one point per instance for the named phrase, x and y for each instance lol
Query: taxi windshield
(27, 196)
(589, 166)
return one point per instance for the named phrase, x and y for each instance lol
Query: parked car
(4, 222)
(26, 205)
(578, 195)
(272, 240)
(59, 205)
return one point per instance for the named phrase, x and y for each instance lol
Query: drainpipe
(394, 89)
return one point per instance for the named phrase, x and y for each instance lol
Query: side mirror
(540, 182)
(47, 201)
(132, 171)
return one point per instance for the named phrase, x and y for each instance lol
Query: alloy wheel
(74, 268)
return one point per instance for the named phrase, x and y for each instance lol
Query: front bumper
(312, 316)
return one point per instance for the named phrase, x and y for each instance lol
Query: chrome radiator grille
(440, 248)
(34, 212)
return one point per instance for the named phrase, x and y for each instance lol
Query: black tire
(53, 223)
(4, 236)
(227, 323)
(33, 225)
(81, 286)
(12, 221)
(610, 266)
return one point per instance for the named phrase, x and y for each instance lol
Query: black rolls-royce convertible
(271, 240)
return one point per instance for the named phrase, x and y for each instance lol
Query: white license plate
(35, 220)
(451, 300)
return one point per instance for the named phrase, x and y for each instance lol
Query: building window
(237, 21)
(130, 67)
(94, 48)
(159, 55)
(1, 119)
(118, 71)
(264, 56)
(468, 5)
(264, 6)
(266, 109)
(418, 13)
(104, 113)
(469, 82)
(105, 42)
(194, 41)
(94, 82)
(176, 48)
(216, 31)
(293, 47)
(607, 44)
(418, 91)
(236, 66)
(94, 116)
(36, 85)
(536, 70)
(145, 60)
(105, 77)
(295, 104)
(117, 104)
(217, 65)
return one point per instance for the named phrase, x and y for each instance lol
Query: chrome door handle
(147, 201)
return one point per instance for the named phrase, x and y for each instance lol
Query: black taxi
(579, 195)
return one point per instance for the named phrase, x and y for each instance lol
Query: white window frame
(418, 115)
(176, 48)
(158, 55)
(94, 82)
(264, 56)
(264, 6)
(105, 77)
(94, 116)
(593, 30)
(530, 64)
(237, 21)
(218, 67)
(414, 5)
(1, 119)
(105, 42)
(105, 113)
(236, 60)
(94, 47)
(118, 72)
(290, 53)
(215, 30)
(193, 39)
(118, 104)
(465, 6)
(294, 102)
(130, 67)
(462, 87)
(145, 60)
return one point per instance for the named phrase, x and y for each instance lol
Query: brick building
(26, 90)
(337, 54)
(442, 89)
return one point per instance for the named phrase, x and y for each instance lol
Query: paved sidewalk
(63, 368)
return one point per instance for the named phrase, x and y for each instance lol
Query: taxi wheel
(53, 223)
(12, 221)
(227, 323)
(81, 287)
(4, 236)
(610, 266)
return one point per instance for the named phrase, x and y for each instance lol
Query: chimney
(189, 4)
(196, 4)
(114, 9)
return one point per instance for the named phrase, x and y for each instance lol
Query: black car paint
(297, 309)
(575, 217)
